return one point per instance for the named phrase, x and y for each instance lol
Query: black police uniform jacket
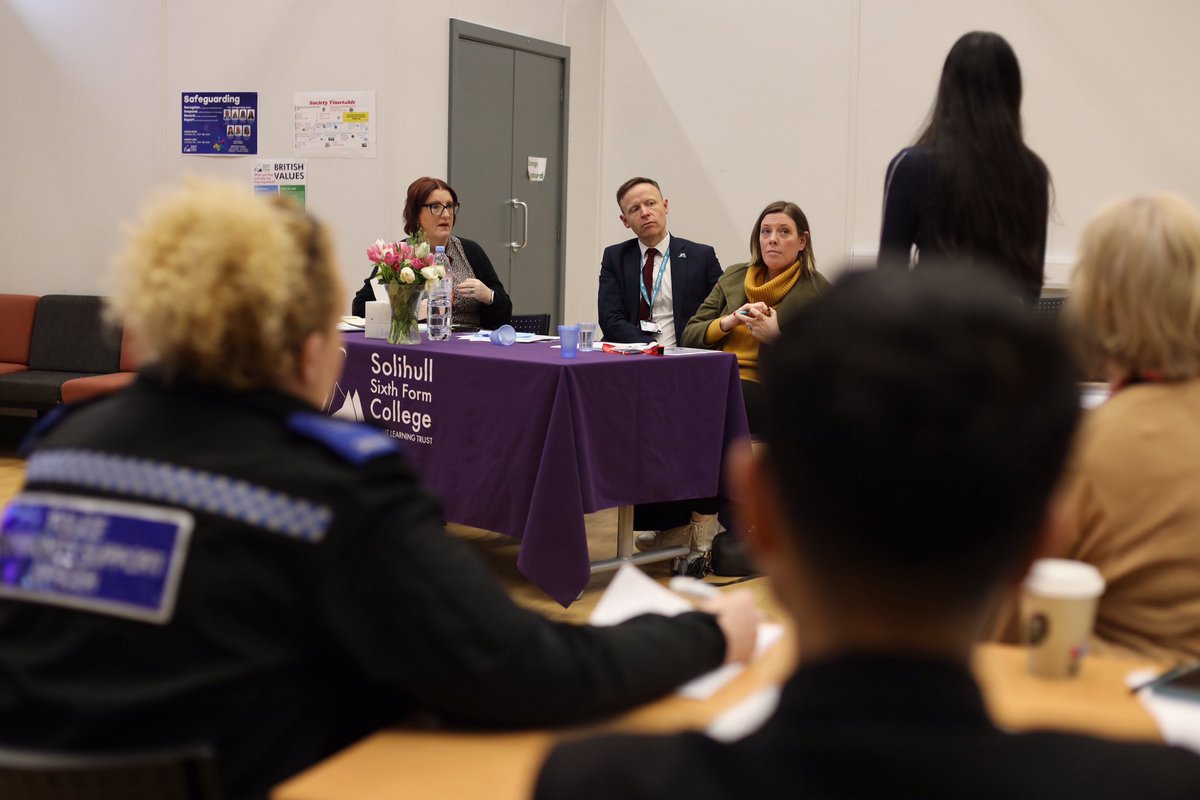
(318, 598)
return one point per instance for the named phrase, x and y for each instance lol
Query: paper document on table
(688, 351)
(351, 323)
(709, 684)
(522, 337)
(1177, 718)
(632, 593)
(743, 719)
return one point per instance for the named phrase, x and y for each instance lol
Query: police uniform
(191, 564)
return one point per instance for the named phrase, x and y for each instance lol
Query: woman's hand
(473, 287)
(743, 315)
(763, 324)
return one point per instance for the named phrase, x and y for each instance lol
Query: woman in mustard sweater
(743, 310)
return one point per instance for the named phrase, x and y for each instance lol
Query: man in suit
(650, 287)
(916, 428)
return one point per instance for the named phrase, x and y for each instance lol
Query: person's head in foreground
(219, 286)
(1135, 293)
(916, 426)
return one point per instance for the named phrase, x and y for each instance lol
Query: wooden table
(408, 763)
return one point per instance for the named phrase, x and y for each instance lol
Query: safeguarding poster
(287, 178)
(220, 123)
(335, 124)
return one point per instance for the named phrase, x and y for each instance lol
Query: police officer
(205, 557)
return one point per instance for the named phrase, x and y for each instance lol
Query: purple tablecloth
(524, 442)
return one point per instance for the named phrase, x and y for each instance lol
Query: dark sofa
(68, 339)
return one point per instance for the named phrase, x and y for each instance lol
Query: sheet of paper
(707, 685)
(1177, 718)
(522, 337)
(746, 717)
(631, 593)
(688, 351)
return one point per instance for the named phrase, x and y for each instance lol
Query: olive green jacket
(730, 294)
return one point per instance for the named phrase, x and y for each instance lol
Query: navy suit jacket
(694, 271)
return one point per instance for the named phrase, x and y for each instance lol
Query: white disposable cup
(587, 336)
(1058, 609)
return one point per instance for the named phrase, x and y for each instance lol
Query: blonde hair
(220, 286)
(1135, 294)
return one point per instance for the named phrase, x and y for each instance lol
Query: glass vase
(405, 299)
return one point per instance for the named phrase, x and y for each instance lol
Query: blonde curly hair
(220, 286)
(1135, 293)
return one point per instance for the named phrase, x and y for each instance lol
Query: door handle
(525, 237)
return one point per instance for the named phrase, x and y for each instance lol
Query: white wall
(1111, 99)
(730, 105)
(733, 105)
(96, 87)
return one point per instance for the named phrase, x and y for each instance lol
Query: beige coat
(1131, 507)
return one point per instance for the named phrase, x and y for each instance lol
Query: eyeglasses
(438, 209)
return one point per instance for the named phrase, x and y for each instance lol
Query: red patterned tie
(648, 282)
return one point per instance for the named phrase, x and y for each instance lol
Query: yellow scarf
(740, 341)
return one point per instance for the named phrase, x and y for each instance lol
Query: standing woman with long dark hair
(969, 187)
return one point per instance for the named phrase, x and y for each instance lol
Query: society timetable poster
(335, 124)
(220, 123)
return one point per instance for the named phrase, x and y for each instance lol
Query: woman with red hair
(479, 297)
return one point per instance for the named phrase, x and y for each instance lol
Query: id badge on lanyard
(649, 325)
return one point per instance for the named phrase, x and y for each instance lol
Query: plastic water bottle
(440, 300)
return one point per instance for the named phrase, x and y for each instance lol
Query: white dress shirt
(663, 310)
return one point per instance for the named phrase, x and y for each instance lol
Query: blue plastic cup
(568, 337)
(504, 335)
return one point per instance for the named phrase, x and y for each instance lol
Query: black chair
(538, 324)
(1049, 305)
(180, 774)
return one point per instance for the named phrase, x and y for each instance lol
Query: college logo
(350, 407)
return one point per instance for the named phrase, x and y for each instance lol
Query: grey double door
(507, 106)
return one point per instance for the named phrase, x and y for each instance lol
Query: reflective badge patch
(104, 556)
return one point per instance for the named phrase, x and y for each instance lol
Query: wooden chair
(182, 774)
(538, 324)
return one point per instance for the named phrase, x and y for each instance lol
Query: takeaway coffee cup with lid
(1058, 608)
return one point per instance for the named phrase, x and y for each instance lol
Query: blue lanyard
(662, 267)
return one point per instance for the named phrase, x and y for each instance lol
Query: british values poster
(335, 124)
(286, 178)
(220, 123)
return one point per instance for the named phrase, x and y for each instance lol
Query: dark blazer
(868, 728)
(492, 317)
(694, 271)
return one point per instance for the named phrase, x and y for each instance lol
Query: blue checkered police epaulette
(352, 441)
(43, 426)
